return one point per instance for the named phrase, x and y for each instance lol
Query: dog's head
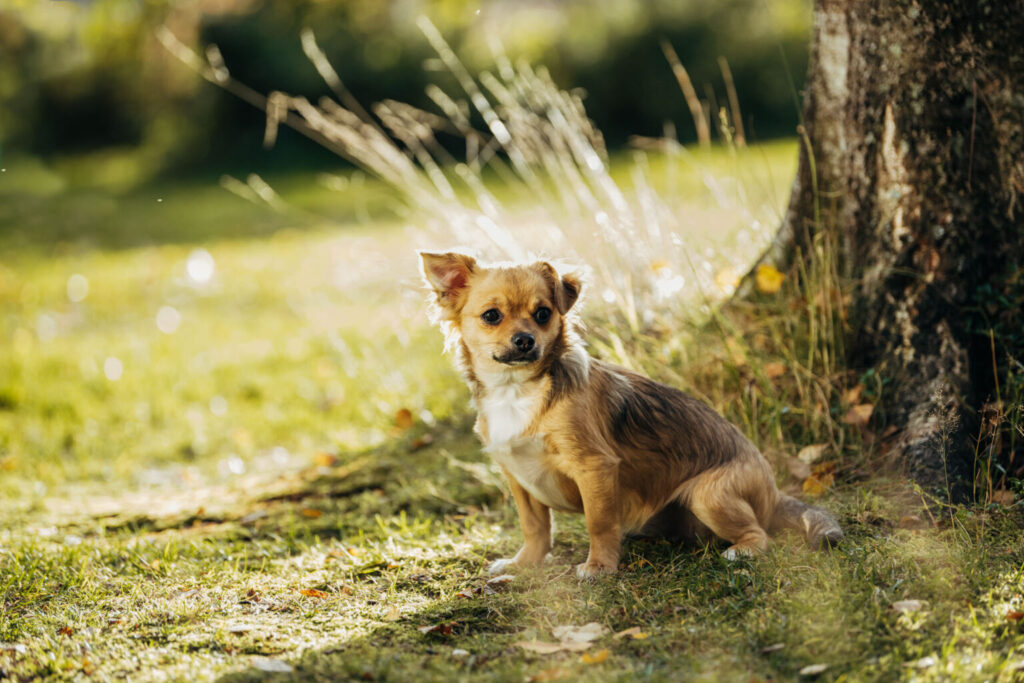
(506, 315)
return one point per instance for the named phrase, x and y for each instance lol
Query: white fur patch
(524, 459)
(508, 413)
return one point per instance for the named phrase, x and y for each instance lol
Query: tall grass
(534, 178)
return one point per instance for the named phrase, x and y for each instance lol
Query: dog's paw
(502, 566)
(589, 570)
(736, 552)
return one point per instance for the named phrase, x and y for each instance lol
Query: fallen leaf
(324, 459)
(392, 614)
(1014, 615)
(312, 513)
(459, 653)
(1003, 497)
(66, 631)
(552, 674)
(421, 442)
(403, 419)
(501, 580)
(444, 629)
(659, 264)
(859, 415)
(634, 633)
(314, 593)
(774, 370)
(595, 658)
(772, 648)
(272, 665)
(579, 634)
(817, 484)
(768, 279)
(813, 669)
(542, 648)
(851, 396)
(812, 453)
(907, 606)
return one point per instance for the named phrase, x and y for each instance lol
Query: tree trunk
(914, 156)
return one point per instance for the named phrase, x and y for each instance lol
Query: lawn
(230, 447)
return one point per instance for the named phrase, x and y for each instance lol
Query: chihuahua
(576, 434)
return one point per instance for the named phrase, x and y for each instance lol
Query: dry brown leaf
(812, 453)
(859, 415)
(1003, 497)
(312, 513)
(1014, 615)
(403, 419)
(444, 628)
(596, 657)
(421, 442)
(851, 396)
(774, 370)
(66, 631)
(911, 522)
(314, 593)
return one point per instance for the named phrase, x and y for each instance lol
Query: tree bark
(913, 126)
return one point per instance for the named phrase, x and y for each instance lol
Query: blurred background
(179, 299)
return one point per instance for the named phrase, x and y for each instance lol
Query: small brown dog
(576, 434)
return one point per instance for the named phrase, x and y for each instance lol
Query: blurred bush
(89, 78)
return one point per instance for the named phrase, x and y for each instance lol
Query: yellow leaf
(314, 593)
(403, 419)
(659, 264)
(817, 484)
(392, 614)
(595, 658)
(774, 370)
(768, 279)
(311, 512)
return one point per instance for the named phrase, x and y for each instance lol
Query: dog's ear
(565, 288)
(447, 274)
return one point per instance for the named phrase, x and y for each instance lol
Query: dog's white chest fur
(508, 413)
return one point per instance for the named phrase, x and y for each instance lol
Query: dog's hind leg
(721, 500)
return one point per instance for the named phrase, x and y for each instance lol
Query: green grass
(164, 524)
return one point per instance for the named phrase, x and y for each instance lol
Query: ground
(231, 448)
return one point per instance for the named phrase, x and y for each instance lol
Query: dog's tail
(819, 527)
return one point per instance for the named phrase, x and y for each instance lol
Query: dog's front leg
(602, 508)
(535, 520)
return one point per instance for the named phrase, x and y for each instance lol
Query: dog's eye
(491, 316)
(542, 315)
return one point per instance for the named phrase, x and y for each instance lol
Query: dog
(576, 434)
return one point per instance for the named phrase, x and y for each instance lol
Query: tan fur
(580, 435)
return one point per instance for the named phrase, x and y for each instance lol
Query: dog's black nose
(523, 341)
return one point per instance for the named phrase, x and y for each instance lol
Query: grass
(287, 478)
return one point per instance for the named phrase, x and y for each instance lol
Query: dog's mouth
(517, 357)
